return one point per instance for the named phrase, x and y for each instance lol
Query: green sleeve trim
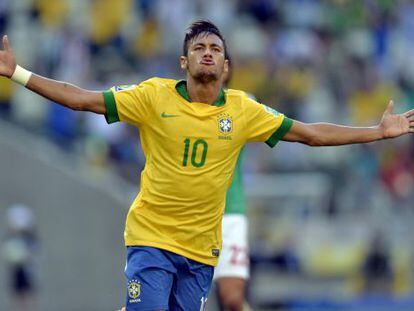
(280, 132)
(111, 114)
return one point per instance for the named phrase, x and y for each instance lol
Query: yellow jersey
(191, 150)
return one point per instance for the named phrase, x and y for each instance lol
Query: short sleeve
(130, 103)
(265, 123)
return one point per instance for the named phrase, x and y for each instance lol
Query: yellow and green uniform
(191, 150)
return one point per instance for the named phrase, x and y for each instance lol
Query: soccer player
(191, 132)
(232, 271)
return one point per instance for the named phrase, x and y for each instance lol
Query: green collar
(181, 88)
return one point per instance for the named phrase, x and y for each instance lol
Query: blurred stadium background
(330, 228)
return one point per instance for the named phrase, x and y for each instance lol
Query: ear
(183, 62)
(226, 66)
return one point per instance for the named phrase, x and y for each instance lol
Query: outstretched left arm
(327, 134)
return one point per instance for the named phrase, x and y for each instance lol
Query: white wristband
(21, 75)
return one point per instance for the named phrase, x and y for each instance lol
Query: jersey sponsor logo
(166, 115)
(124, 87)
(215, 252)
(134, 291)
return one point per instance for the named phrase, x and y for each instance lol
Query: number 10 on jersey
(199, 146)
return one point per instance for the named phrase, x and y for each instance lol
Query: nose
(207, 52)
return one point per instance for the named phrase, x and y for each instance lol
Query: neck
(203, 92)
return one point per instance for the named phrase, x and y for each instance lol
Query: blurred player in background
(232, 271)
(192, 132)
(19, 251)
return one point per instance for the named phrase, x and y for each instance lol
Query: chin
(205, 77)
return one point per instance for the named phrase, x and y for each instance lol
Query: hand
(394, 125)
(7, 59)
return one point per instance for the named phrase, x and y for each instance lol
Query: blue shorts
(161, 280)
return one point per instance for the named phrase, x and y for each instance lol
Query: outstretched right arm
(65, 94)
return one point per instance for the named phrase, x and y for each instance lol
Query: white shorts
(234, 258)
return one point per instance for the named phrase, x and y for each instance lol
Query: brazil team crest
(225, 124)
(134, 290)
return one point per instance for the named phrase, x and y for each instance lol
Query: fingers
(411, 125)
(409, 113)
(390, 107)
(6, 44)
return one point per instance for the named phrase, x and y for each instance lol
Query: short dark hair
(199, 27)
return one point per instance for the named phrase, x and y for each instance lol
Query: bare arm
(65, 94)
(327, 134)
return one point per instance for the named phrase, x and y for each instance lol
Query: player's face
(205, 61)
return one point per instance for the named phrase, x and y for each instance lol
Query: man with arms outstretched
(191, 133)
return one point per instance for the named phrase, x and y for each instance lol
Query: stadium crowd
(338, 61)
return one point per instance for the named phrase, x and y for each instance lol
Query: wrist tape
(21, 75)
